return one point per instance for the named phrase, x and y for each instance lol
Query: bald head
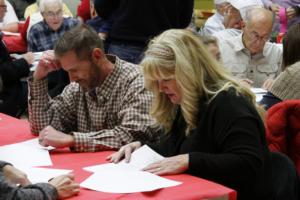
(257, 29)
(259, 17)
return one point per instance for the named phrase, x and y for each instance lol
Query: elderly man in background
(291, 10)
(43, 36)
(249, 56)
(215, 23)
(235, 12)
(8, 18)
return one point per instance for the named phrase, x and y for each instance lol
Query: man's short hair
(81, 39)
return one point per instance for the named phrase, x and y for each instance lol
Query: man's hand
(51, 137)
(291, 13)
(47, 64)
(14, 176)
(124, 152)
(29, 57)
(268, 84)
(65, 186)
(172, 165)
(275, 8)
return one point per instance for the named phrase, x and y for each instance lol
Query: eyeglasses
(255, 37)
(54, 14)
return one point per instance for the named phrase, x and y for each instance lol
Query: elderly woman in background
(212, 124)
(286, 85)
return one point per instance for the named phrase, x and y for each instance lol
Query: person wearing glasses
(43, 36)
(249, 56)
(8, 18)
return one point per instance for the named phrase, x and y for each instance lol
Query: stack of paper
(127, 177)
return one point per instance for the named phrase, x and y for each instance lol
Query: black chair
(286, 184)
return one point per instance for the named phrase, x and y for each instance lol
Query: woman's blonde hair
(179, 54)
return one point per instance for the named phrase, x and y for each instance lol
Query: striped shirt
(112, 115)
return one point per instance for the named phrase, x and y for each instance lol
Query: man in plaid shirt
(104, 107)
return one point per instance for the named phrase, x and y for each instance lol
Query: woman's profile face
(170, 88)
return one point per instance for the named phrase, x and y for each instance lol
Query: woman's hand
(172, 165)
(65, 186)
(14, 176)
(125, 151)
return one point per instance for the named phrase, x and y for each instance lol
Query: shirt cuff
(82, 142)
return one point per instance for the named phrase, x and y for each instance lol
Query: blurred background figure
(287, 84)
(44, 35)
(20, 7)
(13, 94)
(8, 18)
(289, 8)
(215, 23)
(249, 56)
(212, 46)
(135, 22)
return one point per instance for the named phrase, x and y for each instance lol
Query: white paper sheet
(127, 177)
(139, 160)
(131, 181)
(42, 175)
(35, 143)
(259, 93)
(24, 154)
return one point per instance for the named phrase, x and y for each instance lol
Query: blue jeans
(130, 53)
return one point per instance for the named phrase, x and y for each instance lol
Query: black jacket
(135, 22)
(228, 146)
(12, 96)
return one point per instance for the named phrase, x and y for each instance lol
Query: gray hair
(43, 4)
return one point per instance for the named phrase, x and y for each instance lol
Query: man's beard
(94, 79)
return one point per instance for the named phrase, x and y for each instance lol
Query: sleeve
(44, 111)
(238, 134)
(267, 3)
(135, 123)
(32, 40)
(269, 100)
(40, 191)
(186, 13)
(12, 71)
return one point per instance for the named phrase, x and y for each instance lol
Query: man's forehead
(53, 7)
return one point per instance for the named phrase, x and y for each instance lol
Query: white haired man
(44, 35)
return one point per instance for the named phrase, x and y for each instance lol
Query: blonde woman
(212, 125)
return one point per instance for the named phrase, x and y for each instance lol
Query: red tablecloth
(14, 130)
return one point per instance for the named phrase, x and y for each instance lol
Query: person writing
(104, 107)
(212, 124)
(60, 187)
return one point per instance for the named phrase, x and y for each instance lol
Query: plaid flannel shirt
(114, 114)
(41, 37)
